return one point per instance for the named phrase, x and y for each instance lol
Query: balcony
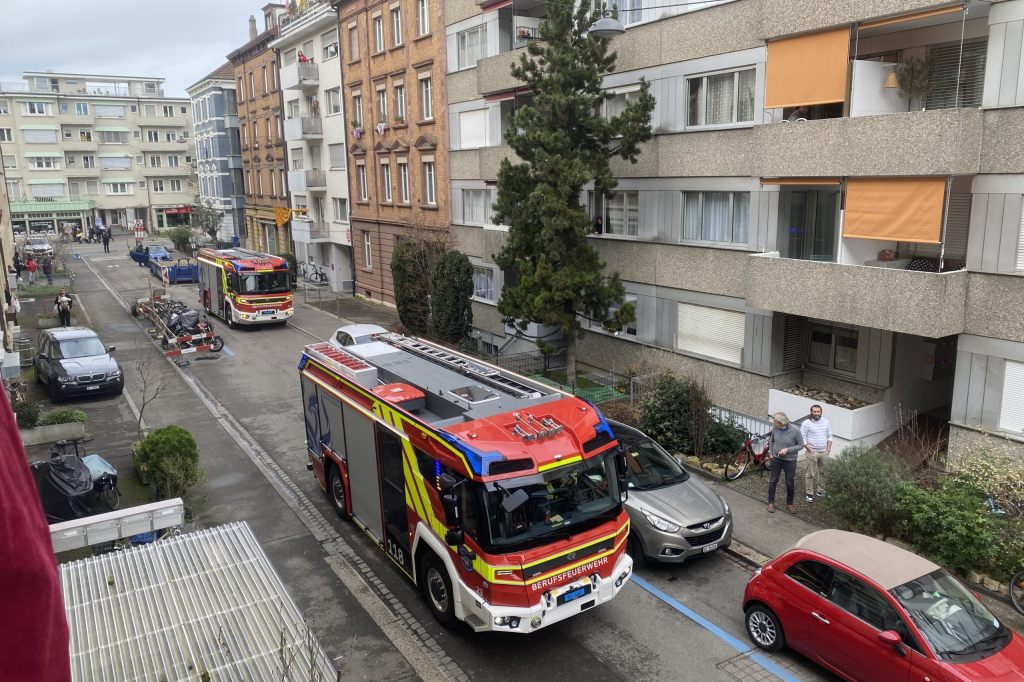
(162, 121)
(494, 73)
(298, 76)
(303, 128)
(81, 172)
(314, 180)
(319, 232)
(77, 144)
(860, 295)
(44, 205)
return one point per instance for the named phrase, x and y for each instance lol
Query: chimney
(252, 27)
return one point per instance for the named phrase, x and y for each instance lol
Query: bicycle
(754, 450)
(318, 276)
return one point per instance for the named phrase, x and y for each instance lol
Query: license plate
(574, 594)
(710, 548)
(267, 312)
(92, 388)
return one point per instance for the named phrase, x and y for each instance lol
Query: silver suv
(38, 247)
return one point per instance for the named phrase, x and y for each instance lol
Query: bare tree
(153, 382)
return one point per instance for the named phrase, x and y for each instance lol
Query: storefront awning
(800, 181)
(808, 69)
(895, 209)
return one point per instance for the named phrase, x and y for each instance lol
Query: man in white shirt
(817, 433)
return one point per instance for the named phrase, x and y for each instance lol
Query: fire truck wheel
(227, 316)
(437, 589)
(636, 551)
(336, 491)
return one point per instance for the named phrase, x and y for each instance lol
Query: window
(39, 136)
(474, 206)
(710, 332)
(429, 188)
(14, 189)
(168, 111)
(115, 162)
(622, 213)
(615, 102)
(382, 105)
(252, 87)
(84, 135)
(364, 193)
(149, 110)
(36, 108)
(108, 111)
(266, 85)
(863, 601)
(172, 160)
(150, 87)
(92, 187)
(483, 282)
(471, 45)
(154, 161)
(833, 348)
(158, 185)
(153, 135)
(329, 41)
(385, 179)
(396, 26)
(298, 158)
(426, 99)
(88, 161)
(473, 129)
(353, 43)
(403, 182)
(357, 110)
(10, 161)
(113, 137)
(630, 328)
(721, 99)
(82, 108)
(45, 191)
(336, 155)
(378, 34)
(958, 74)
(399, 103)
(5, 107)
(1011, 414)
(367, 255)
(716, 216)
(119, 188)
(422, 17)
(175, 185)
(5, 135)
(273, 184)
(44, 163)
(814, 575)
(259, 182)
(333, 97)
(340, 207)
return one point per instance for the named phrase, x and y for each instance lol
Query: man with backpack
(62, 306)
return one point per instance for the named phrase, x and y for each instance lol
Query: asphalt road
(683, 624)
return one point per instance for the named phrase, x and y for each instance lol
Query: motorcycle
(187, 323)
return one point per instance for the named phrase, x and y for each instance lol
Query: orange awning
(911, 17)
(799, 181)
(895, 209)
(809, 69)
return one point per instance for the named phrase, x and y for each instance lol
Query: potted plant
(399, 120)
(914, 76)
(170, 457)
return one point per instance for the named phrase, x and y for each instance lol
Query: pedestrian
(48, 270)
(817, 435)
(13, 307)
(786, 445)
(31, 266)
(598, 225)
(18, 265)
(62, 304)
(106, 241)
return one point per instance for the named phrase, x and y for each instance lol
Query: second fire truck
(245, 287)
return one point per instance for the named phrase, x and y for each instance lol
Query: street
(243, 406)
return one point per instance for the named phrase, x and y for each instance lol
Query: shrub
(1006, 555)
(410, 268)
(452, 287)
(62, 415)
(293, 266)
(997, 474)
(950, 525)
(180, 236)
(171, 458)
(723, 438)
(27, 413)
(621, 411)
(863, 487)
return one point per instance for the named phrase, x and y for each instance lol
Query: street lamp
(607, 26)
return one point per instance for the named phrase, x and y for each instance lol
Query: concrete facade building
(78, 146)
(309, 56)
(393, 66)
(262, 137)
(218, 149)
(798, 226)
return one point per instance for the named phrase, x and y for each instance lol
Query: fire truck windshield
(558, 502)
(263, 283)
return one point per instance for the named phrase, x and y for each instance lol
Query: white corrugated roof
(207, 600)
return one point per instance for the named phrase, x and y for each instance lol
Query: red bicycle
(754, 451)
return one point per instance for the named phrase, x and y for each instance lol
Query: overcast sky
(180, 40)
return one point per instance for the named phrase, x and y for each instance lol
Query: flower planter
(52, 433)
(847, 424)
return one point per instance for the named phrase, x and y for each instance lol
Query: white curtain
(615, 207)
(740, 216)
(721, 92)
(473, 201)
(483, 283)
(691, 215)
(716, 217)
(745, 99)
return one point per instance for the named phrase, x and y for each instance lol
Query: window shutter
(958, 220)
(1020, 245)
(710, 332)
(108, 111)
(1011, 416)
(792, 334)
(945, 61)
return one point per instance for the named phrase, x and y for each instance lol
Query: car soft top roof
(886, 564)
(61, 333)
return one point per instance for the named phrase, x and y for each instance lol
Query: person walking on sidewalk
(106, 241)
(786, 445)
(31, 266)
(62, 306)
(48, 270)
(817, 435)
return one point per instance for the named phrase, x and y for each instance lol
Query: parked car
(38, 247)
(868, 610)
(148, 254)
(355, 334)
(72, 361)
(673, 516)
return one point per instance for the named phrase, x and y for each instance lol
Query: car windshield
(558, 502)
(264, 283)
(952, 619)
(648, 465)
(38, 241)
(81, 348)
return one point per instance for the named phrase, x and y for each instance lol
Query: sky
(179, 40)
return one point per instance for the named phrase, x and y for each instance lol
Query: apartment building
(218, 149)
(799, 225)
(81, 146)
(10, 285)
(393, 67)
(309, 58)
(261, 137)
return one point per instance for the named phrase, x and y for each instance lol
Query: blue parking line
(227, 351)
(734, 643)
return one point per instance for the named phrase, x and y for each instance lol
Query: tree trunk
(570, 358)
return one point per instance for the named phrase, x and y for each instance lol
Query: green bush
(62, 415)
(293, 266)
(410, 271)
(27, 413)
(863, 487)
(452, 287)
(171, 458)
(723, 438)
(180, 236)
(950, 525)
(676, 413)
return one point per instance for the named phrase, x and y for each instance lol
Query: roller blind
(108, 111)
(958, 220)
(710, 332)
(39, 136)
(1020, 245)
(946, 63)
(809, 69)
(895, 209)
(1011, 415)
(473, 129)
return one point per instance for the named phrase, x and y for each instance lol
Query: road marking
(227, 351)
(734, 643)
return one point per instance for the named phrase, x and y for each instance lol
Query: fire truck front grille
(579, 554)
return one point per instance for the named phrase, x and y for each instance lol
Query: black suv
(73, 361)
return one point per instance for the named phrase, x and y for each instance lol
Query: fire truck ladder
(480, 372)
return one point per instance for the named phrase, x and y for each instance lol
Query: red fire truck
(245, 287)
(500, 497)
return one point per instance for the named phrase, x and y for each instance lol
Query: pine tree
(563, 143)
(451, 307)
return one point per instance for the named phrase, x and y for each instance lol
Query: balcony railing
(307, 180)
(300, 76)
(303, 128)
